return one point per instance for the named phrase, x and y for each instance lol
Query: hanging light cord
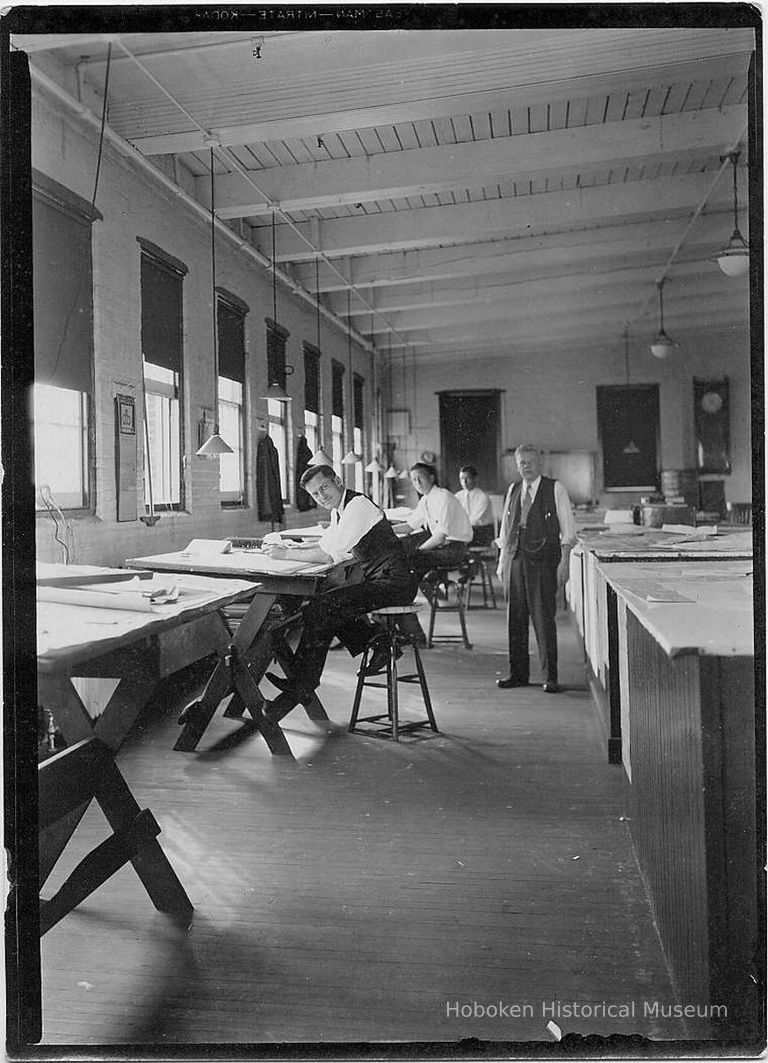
(626, 353)
(692, 221)
(214, 320)
(84, 263)
(54, 513)
(274, 275)
(734, 159)
(661, 306)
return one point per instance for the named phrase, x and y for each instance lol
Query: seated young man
(381, 577)
(478, 506)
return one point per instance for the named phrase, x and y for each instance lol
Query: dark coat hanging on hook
(268, 492)
(304, 500)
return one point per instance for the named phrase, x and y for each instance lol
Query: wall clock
(711, 402)
(712, 425)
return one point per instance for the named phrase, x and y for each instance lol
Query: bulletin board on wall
(575, 469)
(125, 456)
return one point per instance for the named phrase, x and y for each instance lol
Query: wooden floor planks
(358, 891)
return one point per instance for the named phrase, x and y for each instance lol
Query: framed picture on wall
(712, 425)
(126, 419)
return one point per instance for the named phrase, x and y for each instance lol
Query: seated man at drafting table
(381, 577)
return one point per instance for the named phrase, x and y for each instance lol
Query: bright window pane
(357, 435)
(60, 427)
(231, 466)
(311, 430)
(164, 455)
(278, 433)
(337, 452)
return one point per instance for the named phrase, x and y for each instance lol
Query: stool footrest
(388, 723)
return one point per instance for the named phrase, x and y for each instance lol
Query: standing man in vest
(535, 540)
(381, 577)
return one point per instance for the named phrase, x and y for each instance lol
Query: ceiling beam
(550, 302)
(412, 76)
(552, 255)
(491, 219)
(453, 167)
(600, 321)
(577, 272)
(579, 347)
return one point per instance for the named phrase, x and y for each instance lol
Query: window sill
(79, 515)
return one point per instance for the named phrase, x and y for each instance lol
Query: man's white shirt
(478, 506)
(439, 510)
(349, 524)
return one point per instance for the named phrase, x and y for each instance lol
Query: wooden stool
(442, 584)
(480, 559)
(388, 723)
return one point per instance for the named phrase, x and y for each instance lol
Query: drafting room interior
(398, 246)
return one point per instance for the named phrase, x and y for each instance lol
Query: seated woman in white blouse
(446, 529)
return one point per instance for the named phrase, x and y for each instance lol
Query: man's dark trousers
(532, 595)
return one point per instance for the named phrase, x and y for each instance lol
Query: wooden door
(470, 434)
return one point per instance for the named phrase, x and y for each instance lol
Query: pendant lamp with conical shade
(321, 458)
(214, 444)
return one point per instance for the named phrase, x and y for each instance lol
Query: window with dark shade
(311, 378)
(337, 389)
(230, 321)
(162, 334)
(358, 385)
(63, 331)
(161, 314)
(277, 337)
(230, 325)
(63, 300)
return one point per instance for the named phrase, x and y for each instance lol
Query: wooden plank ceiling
(473, 191)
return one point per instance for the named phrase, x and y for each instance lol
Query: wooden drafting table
(78, 638)
(593, 602)
(687, 692)
(280, 587)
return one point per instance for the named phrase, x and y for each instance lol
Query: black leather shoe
(379, 659)
(510, 682)
(550, 688)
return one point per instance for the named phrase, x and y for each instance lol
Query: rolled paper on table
(131, 601)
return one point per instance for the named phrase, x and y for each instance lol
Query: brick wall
(133, 204)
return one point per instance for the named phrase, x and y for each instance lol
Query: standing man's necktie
(525, 505)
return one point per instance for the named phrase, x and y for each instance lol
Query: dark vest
(380, 554)
(539, 541)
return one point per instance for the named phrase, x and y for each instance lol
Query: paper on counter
(207, 547)
(704, 531)
(618, 516)
(654, 591)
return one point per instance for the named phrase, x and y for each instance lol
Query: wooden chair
(68, 782)
(388, 724)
